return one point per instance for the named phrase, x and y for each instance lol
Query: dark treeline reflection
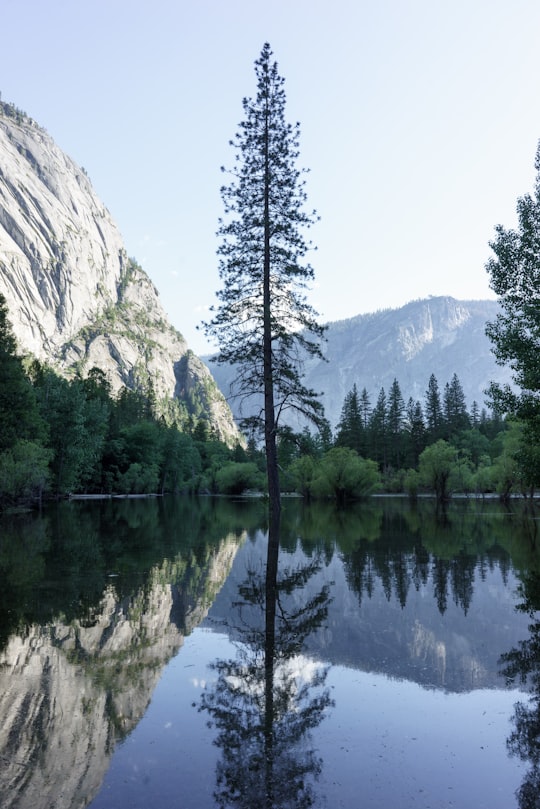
(268, 698)
(522, 665)
(60, 563)
(406, 546)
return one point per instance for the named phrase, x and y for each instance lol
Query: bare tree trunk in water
(269, 654)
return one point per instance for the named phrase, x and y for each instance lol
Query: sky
(419, 120)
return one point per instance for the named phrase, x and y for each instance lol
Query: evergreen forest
(62, 437)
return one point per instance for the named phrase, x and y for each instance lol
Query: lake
(389, 656)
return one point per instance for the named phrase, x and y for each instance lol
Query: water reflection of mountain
(432, 603)
(456, 651)
(96, 598)
(74, 685)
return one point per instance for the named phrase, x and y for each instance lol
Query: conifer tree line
(402, 436)
(394, 432)
(435, 446)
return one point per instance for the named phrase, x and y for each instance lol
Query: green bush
(344, 475)
(138, 479)
(302, 473)
(436, 464)
(411, 482)
(24, 473)
(484, 477)
(236, 478)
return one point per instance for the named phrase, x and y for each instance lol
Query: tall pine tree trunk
(263, 322)
(272, 470)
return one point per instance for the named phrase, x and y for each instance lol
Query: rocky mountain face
(438, 335)
(75, 299)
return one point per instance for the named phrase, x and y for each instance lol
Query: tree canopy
(515, 333)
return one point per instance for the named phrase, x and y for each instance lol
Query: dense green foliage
(19, 411)
(437, 447)
(515, 277)
(23, 456)
(60, 436)
(238, 477)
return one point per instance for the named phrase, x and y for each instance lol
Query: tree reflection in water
(266, 701)
(523, 664)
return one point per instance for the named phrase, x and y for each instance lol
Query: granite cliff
(75, 299)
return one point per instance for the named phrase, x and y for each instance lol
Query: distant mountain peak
(439, 335)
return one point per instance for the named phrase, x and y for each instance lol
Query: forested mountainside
(439, 335)
(75, 299)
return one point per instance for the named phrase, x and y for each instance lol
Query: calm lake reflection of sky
(385, 743)
(386, 659)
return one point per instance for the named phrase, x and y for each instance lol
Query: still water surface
(146, 659)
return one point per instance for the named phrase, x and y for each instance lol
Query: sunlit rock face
(69, 692)
(62, 255)
(74, 298)
(55, 737)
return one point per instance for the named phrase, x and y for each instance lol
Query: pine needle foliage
(264, 325)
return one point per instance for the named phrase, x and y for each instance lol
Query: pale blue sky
(419, 120)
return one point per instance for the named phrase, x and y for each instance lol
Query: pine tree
(433, 409)
(378, 431)
(365, 408)
(263, 323)
(350, 429)
(396, 419)
(416, 431)
(455, 407)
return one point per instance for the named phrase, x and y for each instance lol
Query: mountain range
(437, 335)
